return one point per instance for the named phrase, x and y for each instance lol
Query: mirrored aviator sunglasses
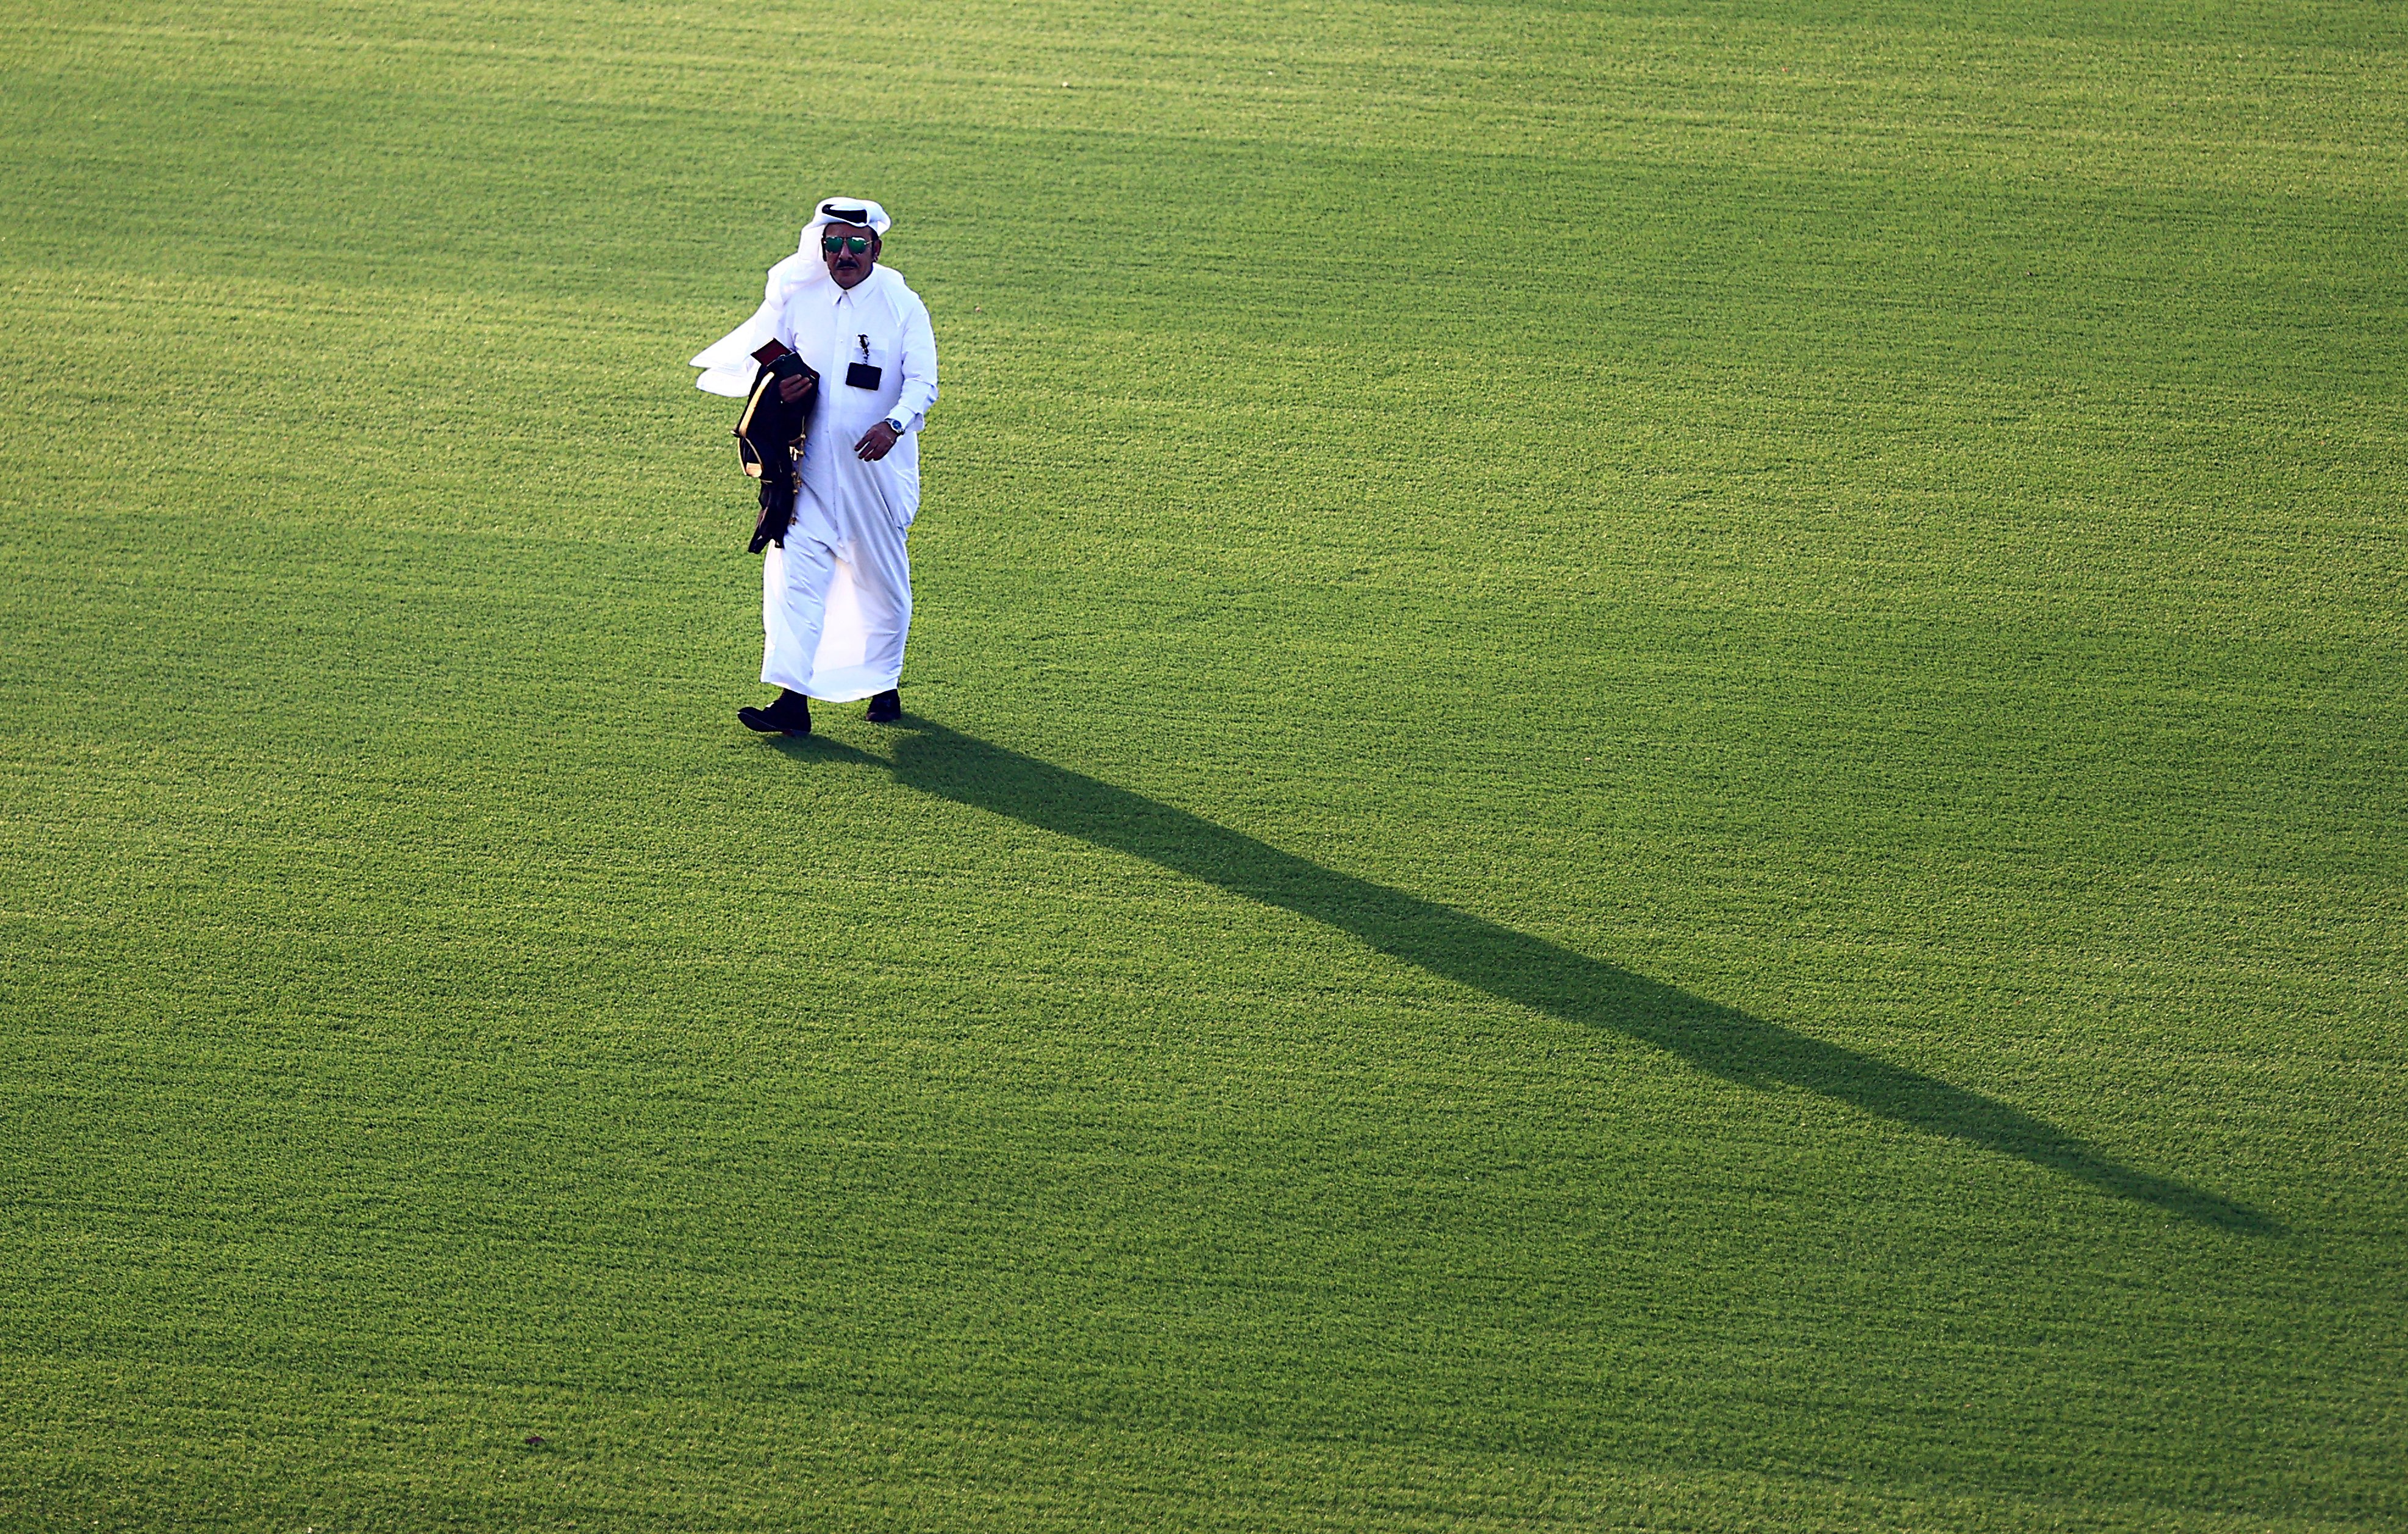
(857, 244)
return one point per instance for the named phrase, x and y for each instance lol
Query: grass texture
(1658, 778)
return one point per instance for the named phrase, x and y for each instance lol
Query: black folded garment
(767, 434)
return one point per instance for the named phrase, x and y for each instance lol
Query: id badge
(861, 374)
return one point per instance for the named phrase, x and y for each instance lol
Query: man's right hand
(793, 389)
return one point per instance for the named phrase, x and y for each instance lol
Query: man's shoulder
(897, 290)
(796, 294)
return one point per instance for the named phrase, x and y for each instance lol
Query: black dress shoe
(887, 707)
(791, 714)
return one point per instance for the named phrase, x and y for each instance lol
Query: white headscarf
(727, 362)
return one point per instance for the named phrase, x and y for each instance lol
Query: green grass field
(1660, 776)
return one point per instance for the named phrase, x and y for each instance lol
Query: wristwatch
(898, 425)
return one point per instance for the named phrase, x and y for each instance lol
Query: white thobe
(836, 600)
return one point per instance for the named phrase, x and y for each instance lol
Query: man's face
(845, 263)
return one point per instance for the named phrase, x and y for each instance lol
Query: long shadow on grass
(1507, 963)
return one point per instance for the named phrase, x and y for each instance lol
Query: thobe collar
(837, 295)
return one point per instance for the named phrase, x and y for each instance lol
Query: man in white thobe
(835, 597)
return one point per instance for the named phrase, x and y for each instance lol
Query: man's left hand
(875, 443)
